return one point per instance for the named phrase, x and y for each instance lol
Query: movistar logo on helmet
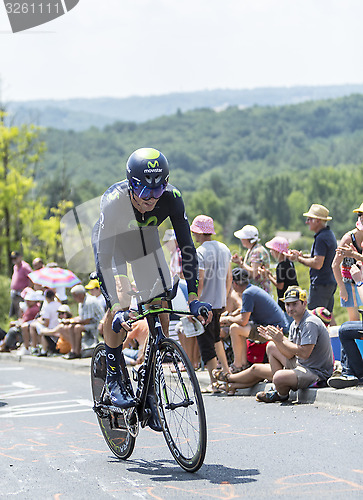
(152, 167)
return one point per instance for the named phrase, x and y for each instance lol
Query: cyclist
(126, 232)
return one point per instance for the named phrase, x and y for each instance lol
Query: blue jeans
(351, 358)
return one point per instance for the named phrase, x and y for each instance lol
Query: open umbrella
(54, 277)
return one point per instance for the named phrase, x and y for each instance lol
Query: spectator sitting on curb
(305, 358)
(52, 340)
(48, 318)
(351, 358)
(258, 308)
(15, 333)
(90, 313)
(259, 371)
(93, 288)
(324, 314)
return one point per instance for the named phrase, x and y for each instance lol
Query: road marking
(47, 408)
(22, 385)
(11, 368)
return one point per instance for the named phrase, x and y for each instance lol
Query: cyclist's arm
(187, 248)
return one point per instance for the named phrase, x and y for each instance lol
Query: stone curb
(351, 397)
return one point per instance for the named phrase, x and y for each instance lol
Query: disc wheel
(119, 440)
(180, 406)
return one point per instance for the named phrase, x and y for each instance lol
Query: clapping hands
(271, 332)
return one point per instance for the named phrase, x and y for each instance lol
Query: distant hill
(81, 114)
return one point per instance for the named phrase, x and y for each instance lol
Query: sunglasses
(146, 193)
(359, 214)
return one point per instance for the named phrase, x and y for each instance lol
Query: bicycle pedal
(115, 409)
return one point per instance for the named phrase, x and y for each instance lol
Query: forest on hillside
(260, 165)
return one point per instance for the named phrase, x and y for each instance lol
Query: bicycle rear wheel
(119, 440)
(180, 406)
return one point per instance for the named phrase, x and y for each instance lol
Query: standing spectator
(256, 257)
(258, 308)
(215, 278)
(351, 358)
(19, 281)
(322, 281)
(285, 270)
(349, 296)
(303, 359)
(37, 263)
(90, 313)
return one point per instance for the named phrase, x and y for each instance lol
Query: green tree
(25, 224)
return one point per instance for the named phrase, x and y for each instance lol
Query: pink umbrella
(54, 277)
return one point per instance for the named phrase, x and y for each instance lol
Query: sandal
(211, 389)
(234, 369)
(228, 389)
(220, 375)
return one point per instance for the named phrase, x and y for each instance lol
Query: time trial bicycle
(167, 371)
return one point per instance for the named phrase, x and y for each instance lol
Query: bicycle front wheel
(180, 406)
(112, 425)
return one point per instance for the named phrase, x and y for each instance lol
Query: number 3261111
(33, 8)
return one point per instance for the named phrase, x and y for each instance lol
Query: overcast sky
(120, 48)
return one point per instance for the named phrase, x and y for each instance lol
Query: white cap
(64, 308)
(247, 233)
(35, 296)
(78, 289)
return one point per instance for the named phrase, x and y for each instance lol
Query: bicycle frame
(144, 375)
(176, 392)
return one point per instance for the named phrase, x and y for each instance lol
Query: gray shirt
(311, 330)
(214, 258)
(91, 309)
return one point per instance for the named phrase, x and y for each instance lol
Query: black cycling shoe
(118, 395)
(153, 421)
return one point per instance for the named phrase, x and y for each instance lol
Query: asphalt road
(51, 448)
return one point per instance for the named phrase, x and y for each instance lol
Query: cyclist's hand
(120, 320)
(202, 311)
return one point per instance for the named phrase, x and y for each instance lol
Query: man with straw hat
(322, 280)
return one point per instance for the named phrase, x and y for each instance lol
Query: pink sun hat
(279, 244)
(203, 224)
